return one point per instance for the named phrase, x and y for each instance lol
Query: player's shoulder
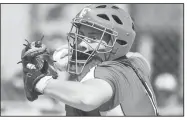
(134, 57)
(139, 60)
(116, 70)
(113, 67)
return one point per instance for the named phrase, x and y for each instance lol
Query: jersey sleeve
(118, 82)
(127, 88)
(140, 62)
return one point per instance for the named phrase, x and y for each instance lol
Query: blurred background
(159, 29)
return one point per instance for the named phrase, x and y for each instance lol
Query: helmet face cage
(78, 58)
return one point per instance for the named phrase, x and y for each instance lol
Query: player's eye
(94, 38)
(80, 33)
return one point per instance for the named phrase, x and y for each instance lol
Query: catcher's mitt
(36, 64)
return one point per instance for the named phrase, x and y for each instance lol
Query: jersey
(132, 91)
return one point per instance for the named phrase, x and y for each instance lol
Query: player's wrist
(41, 85)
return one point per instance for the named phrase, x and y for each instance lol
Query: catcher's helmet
(109, 19)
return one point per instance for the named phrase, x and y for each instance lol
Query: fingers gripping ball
(37, 63)
(61, 58)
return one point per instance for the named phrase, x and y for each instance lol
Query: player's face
(84, 42)
(93, 39)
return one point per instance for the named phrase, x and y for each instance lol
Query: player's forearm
(70, 92)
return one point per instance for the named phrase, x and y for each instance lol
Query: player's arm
(86, 96)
